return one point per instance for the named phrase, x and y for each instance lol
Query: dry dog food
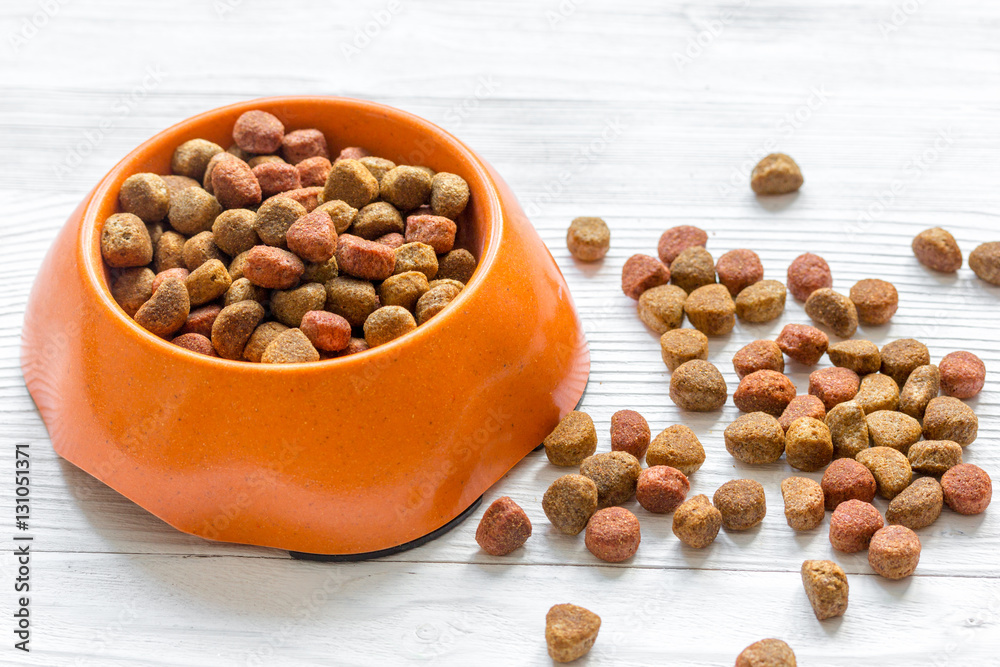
(985, 262)
(889, 467)
(846, 479)
(588, 239)
(804, 405)
(503, 528)
(196, 343)
(934, 457)
(834, 385)
(698, 386)
(875, 300)
(918, 505)
(125, 241)
(678, 447)
(133, 287)
(629, 433)
(764, 391)
(693, 268)
(759, 355)
(826, 587)
(848, 429)
(766, 653)
(679, 346)
(573, 439)
(741, 504)
(289, 347)
(755, 438)
(167, 310)
(948, 418)
(804, 504)
(833, 310)
(613, 534)
(937, 249)
(776, 174)
(808, 273)
(677, 239)
(642, 272)
(853, 524)
(457, 264)
(234, 326)
(662, 308)
(570, 632)
(920, 388)
(761, 302)
(967, 489)
(326, 331)
(569, 502)
(737, 269)
(808, 444)
(191, 158)
(893, 429)
(877, 392)
(387, 324)
(861, 356)
(711, 310)
(894, 552)
(661, 489)
(697, 522)
(615, 474)
(963, 374)
(902, 357)
(803, 343)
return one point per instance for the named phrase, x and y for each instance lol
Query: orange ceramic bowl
(345, 456)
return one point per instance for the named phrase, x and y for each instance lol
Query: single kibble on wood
(661, 489)
(350, 182)
(804, 503)
(572, 440)
(766, 653)
(676, 446)
(894, 552)
(570, 632)
(275, 177)
(363, 259)
(776, 174)
(711, 310)
(387, 324)
(852, 525)
(342, 214)
(679, 346)
(759, 355)
(920, 388)
(764, 391)
(761, 302)
(834, 385)
(234, 326)
(985, 262)
(808, 444)
(875, 300)
(195, 343)
(893, 429)
(948, 418)
(698, 386)
(405, 187)
(169, 253)
(125, 241)
(289, 306)
(803, 343)
(693, 268)
(662, 308)
(234, 231)
(804, 405)
(167, 310)
(289, 347)
(963, 374)
(146, 196)
(967, 489)
(458, 264)
(890, 468)
(642, 272)
(918, 505)
(808, 273)
(937, 249)
(434, 300)
(615, 474)
(569, 502)
(261, 337)
(234, 184)
(208, 282)
(697, 522)
(403, 289)
(378, 219)
(379, 167)
(846, 479)
(306, 144)
(861, 356)
(677, 239)
(877, 392)
(755, 438)
(848, 429)
(437, 232)
(934, 457)
(449, 195)
(629, 433)
(201, 320)
(826, 587)
(613, 534)
(503, 528)
(588, 239)
(313, 171)
(272, 268)
(834, 310)
(417, 257)
(132, 287)
(739, 269)
(901, 357)
(199, 249)
(741, 503)
(258, 132)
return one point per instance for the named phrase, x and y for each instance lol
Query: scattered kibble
(573, 439)
(803, 343)
(629, 433)
(741, 504)
(861, 356)
(503, 528)
(761, 302)
(848, 429)
(826, 587)
(767, 653)
(948, 418)
(834, 310)
(662, 308)
(615, 474)
(588, 239)
(918, 505)
(569, 502)
(776, 174)
(877, 392)
(937, 249)
(692, 269)
(804, 503)
(711, 310)
(739, 269)
(661, 489)
(853, 524)
(893, 429)
(967, 489)
(755, 438)
(894, 552)
(677, 239)
(570, 632)
(642, 272)
(901, 357)
(985, 262)
(696, 522)
(876, 300)
(808, 273)
(759, 355)
(922, 386)
(698, 386)
(834, 385)
(963, 374)
(679, 346)
(764, 391)
(890, 468)
(803, 405)
(613, 534)
(846, 479)
(934, 457)
(676, 446)
(808, 444)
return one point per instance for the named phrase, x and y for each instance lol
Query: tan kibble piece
(449, 194)
(570, 632)
(569, 502)
(588, 239)
(169, 252)
(573, 439)
(352, 299)
(193, 211)
(233, 327)
(948, 418)
(615, 474)
(761, 302)
(808, 444)
(852, 525)
(377, 219)
(403, 289)
(289, 347)
(146, 196)
(937, 249)
(711, 310)
(132, 287)
(889, 467)
(894, 552)
(191, 158)
(901, 357)
(274, 217)
(767, 653)
(759, 355)
(176, 184)
(417, 257)
(848, 429)
(342, 214)
(764, 391)
(351, 182)
(846, 479)
(934, 457)
(776, 174)
(755, 438)
(876, 300)
(406, 187)
(378, 166)
(861, 356)
(893, 429)
(877, 392)
(446, 281)
(234, 232)
(167, 310)
(676, 446)
(679, 346)
(698, 386)
(741, 503)
(387, 324)
(826, 587)
(693, 268)
(985, 262)
(208, 282)
(804, 405)
(804, 505)
(288, 306)
(321, 272)
(458, 264)
(918, 505)
(260, 339)
(834, 310)
(125, 241)
(242, 289)
(697, 522)
(434, 300)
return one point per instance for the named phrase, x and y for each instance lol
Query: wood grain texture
(650, 115)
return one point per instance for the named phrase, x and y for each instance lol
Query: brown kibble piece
(698, 386)
(678, 447)
(834, 385)
(572, 440)
(301, 145)
(208, 282)
(804, 503)
(403, 289)
(312, 238)
(923, 385)
(503, 528)
(711, 310)
(892, 429)
(289, 347)
(458, 264)
(985, 262)
(351, 182)
(804, 405)
(741, 503)
(875, 300)
(193, 211)
(387, 324)
(272, 268)
(738, 269)
(125, 241)
(570, 632)
(235, 185)
(937, 249)
(755, 438)
(588, 239)
(846, 479)
(697, 522)
(806, 274)
(195, 343)
(764, 391)
(677, 239)
(169, 253)
(379, 166)
(613, 534)
(435, 231)
(834, 310)
(852, 525)
(760, 355)
(146, 196)
(434, 300)
(629, 433)
(615, 474)
(569, 502)
(803, 343)
(963, 374)
(763, 301)
(808, 444)
(826, 587)
(877, 392)
(692, 269)
(258, 132)
(275, 217)
(967, 489)
(177, 184)
(661, 489)
(894, 552)
(233, 231)
(679, 346)
(233, 327)
(889, 467)
(449, 195)
(640, 273)
(260, 339)
(848, 429)
(901, 357)
(199, 249)
(766, 653)
(934, 457)
(776, 174)
(861, 356)
(289, 306)
(352, 299)
(167, 310)
(948, 418)
(200, 320)
(363, 259)
(276, 177)
(406, 187)
(377, 219)
(416, 257)
(191, 158)
(918, 505)
(342, 215)
(132, 287)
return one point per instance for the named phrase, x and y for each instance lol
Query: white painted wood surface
(649, 114)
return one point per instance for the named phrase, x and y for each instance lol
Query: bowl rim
(92, 262)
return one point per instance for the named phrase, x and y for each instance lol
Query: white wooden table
(649, 114)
